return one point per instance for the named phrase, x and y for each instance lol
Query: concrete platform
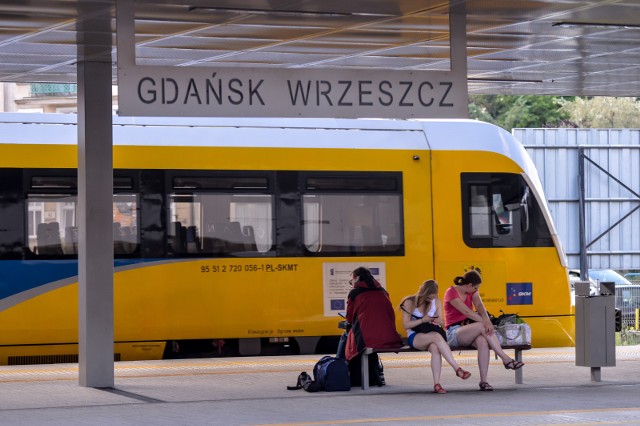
(252, 391)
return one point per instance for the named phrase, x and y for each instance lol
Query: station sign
(277, 92)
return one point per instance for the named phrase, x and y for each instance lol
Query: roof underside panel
(562, 47)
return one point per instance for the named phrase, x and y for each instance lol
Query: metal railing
(628, 301)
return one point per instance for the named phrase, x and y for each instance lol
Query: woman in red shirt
(468, 327)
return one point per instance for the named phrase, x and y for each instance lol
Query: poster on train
(336, 287)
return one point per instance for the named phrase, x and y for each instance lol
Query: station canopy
(519, 47)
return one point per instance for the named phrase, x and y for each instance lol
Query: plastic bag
(511, 334)
(512, 330)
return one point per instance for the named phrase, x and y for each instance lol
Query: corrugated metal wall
(556, 155)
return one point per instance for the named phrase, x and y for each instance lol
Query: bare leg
(483, 356)
(494, 344)
(445, 351)
(436, 362)
(426, 341)
(467, 334)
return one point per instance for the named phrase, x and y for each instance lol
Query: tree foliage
(603, 112)
(509, 111)
(553, 111)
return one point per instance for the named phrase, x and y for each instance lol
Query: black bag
(332, 374)
(303, 381)
(376, 371)
(505, 319)
(427, 327)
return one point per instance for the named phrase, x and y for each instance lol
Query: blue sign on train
(338, 305)
(519, 294)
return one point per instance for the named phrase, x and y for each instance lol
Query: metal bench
(368, 351)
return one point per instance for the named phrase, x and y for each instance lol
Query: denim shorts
(410, 339)
(452, 335)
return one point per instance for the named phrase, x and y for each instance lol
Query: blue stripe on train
(17, 276)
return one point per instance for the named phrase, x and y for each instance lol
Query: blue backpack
(332, 374)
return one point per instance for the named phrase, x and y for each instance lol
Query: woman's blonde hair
(420, 298)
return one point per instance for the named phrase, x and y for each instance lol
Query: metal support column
(584, 261)
(458, 44)
(95, 196)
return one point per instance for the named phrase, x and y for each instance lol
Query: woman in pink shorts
(468, 327)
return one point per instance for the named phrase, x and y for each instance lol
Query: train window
(36, 214)
(53, 182)
(354, 214)
(233, 223)
(126, 238)
(498, 211)
(352, 223)
(51, 219)
(52, 228)
(220, 182)
(122, 182)
(352, 183)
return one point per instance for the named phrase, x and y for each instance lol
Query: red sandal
(437, 388)
(463, 374)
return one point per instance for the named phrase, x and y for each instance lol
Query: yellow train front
(237, 237)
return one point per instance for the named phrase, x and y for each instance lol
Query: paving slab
(252, 391)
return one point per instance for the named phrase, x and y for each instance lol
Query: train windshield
(499, 211)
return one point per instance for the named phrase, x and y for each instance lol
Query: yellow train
(237, 236)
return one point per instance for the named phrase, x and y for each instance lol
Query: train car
(237, 236)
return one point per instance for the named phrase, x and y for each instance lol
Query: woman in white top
(422, 317)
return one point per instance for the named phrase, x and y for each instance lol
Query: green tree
(603, 112)
(509, 111)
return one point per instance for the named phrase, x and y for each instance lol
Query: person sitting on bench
(372, 318)
(422, 317)
(466, 327)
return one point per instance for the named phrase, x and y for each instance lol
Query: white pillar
(95, 201)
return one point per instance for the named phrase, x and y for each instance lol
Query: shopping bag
(511, 334)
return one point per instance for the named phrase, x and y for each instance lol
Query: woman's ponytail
(470, 277)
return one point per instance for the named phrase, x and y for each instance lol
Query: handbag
(514, 334)
(426, 327)
(512, 330)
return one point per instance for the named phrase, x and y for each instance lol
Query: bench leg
(365, 370)
(519, 371)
